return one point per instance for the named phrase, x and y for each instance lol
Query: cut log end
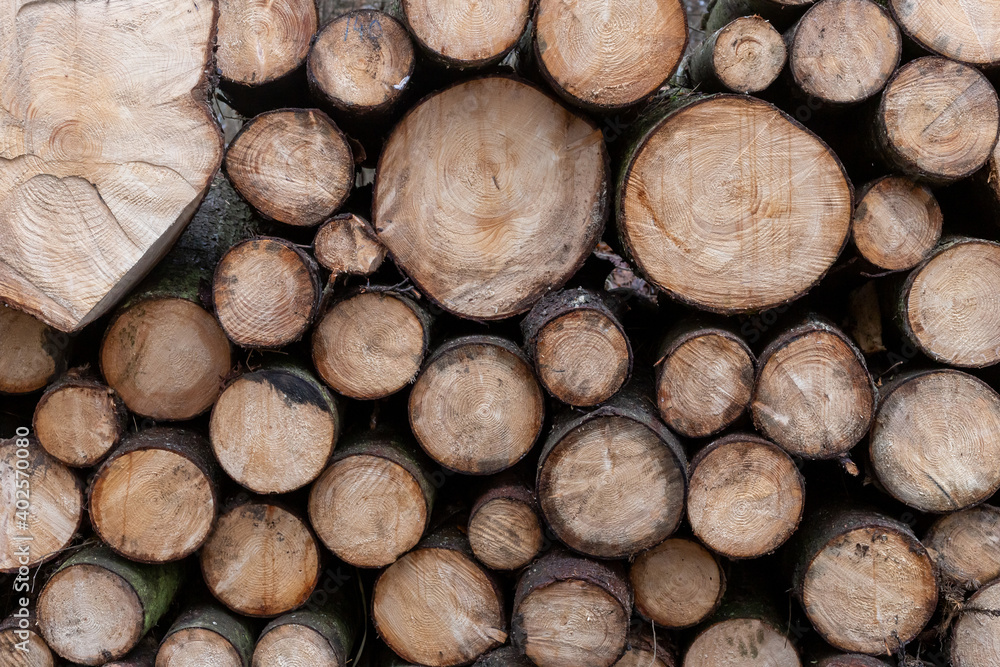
(869, 589)
(55, 510)
(240, 562)
(949, 308)
(937, 120)
(78, 421)
(813, 396)
(368, 510)
(476, 407)
(21, 652)
(467, 35)
(844, 51)
(976, 637)
(677, 583)
(437, 607)
(897, 223)
(292, 165)
(266, 293)
(30, 356)
(966, 545)
(261, 40)
(273, 430)
(464, 193)
(609, 54)
(745, 56)
(294, 644)
(947, 28)
(505, 534)
(197, 646)
(788, 210)
(582, 357)
(596, 518)
(746, 496)
(347, 243)
(933, 443)
(361, 62)
(741, 642)
(166, 358)
(370, 345)
(704, 382)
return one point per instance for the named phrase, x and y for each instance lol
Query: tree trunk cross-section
(489, 194)
(105, 153)
(975, 640)
(745, 56)
(609, 53)
(677, 584)
(30, 356)
(321, 635)
(346, 243)
(505, 531)
(466, 34)
(966, 545)
(263, 40)
(897, 223)
(731, 206)
(742, 642)
(207, 635)
(958, 29)
(78, 419)
(32, 652)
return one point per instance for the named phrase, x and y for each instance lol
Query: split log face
(741, 642)
(866, 584)
(154, 500)
(700, 231)
(466, 34)
(609, 53)
(347, 243)
(813, 395)
(581, 352)
(292, 165)
(260, 560)
(677, 583)
(166, 358)
(97, 606)
(504, 529)
(273, 429)
(571, 612)
(967, 33)
(612, 482)
(30, 357)
(844, 51)
(937, 120)
(975, 639)
(948, 304)
(966, 545)
(435, 606)
(55, 504)
(37, 653)
(704, 381)
(361, 62)
(897, 223)
(260, 41)
(78, 420)
(746, 496)
(99, 180)
(477, 408)
(935, 443)
(371, 344)
(483, 176)
(373, 503)
(744, 56)
(266, 293)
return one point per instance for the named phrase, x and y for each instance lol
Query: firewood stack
(565, 333)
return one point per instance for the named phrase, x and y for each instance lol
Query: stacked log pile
(566, 333)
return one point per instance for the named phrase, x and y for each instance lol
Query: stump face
(573, 623)
(609, 53)
(935, 443)
(489, 194)
(951, 308)
(197, 646)
(611, 487)
(75, 614)
(721, 190)
(741, 642)
(100, 173)
(152, 505)
(869, 590)
(78, 424)
(436, 607)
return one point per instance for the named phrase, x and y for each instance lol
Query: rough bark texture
(98, 183)
(782, 13)
(173, 473)
(623, 445)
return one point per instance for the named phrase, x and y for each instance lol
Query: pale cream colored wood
(582, 357)
(293, 645)
(466, 33)
(897, 223)
(263, 40)
(677, 583)
(741, 642)
(964, 30)
(976, 638)
(197, 646)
